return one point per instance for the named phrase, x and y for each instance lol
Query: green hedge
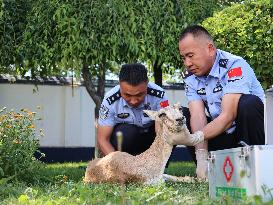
(246, 30)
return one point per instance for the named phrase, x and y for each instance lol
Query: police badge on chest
(218, 88)
(146, 107)
(123, 115)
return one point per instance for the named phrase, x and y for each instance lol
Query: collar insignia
(155, 92)
(223, 63)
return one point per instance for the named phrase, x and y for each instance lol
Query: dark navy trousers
(249, 126)
(135, 139)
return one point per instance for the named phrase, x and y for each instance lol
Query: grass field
(62, 184)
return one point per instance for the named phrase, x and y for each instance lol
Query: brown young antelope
(147, 167)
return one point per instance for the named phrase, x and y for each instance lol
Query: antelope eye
(162, 115)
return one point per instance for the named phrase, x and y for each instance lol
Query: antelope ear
(177, 105)
(152, 114)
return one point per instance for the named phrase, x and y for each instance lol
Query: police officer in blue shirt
(225, 99)
(122, 110)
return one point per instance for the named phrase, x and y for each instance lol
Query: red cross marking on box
(228, 168)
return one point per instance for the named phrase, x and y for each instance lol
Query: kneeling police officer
(122, 110)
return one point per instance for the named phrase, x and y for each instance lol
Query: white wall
(269, 116)
(67, 114)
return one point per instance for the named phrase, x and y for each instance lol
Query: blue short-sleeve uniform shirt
(114, 109)
(229, 74)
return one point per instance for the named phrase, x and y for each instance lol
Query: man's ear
(211, 49)
(152, 114)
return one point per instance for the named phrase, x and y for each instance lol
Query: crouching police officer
(122, 110)
(226, 87)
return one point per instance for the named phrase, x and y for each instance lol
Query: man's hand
(202, 163)
(185, 138)
(104, 134)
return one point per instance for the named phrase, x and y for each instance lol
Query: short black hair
(196, 31)
(134, 74)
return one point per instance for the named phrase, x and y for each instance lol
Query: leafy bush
(1, 8)
(246, 29)
(17, 143)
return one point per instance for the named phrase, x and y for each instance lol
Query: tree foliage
(88, 35)
(82, 35)
(1, 8)
(13, 16)
(247, 30)
(162, 24)
(52, 36)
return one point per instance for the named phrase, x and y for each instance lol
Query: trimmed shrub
(246, 29)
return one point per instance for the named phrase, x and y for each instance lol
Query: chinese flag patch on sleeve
(164, 103)
(235, 72)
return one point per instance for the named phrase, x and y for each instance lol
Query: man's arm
(104, 134)
(198, 120)
(224, 120)
(215, 127)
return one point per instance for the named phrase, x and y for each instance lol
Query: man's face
(133, 95)
(198, 54)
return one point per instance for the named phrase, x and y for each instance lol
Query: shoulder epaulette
(186, 74)
(113, 98)
(223, 63)
(155, 92)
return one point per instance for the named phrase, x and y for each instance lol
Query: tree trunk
(157, 67)
(96, 94)
(101, 83)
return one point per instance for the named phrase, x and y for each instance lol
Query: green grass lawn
(62, 184)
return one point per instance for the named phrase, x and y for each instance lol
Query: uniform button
(206, 84)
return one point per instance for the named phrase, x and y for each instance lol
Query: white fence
(67, 114)
(269, 116)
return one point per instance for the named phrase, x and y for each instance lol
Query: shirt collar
(215, 68)
(124, 103)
